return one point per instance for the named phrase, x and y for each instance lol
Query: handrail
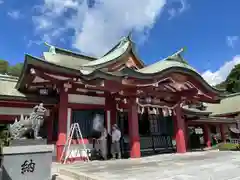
(235, 141)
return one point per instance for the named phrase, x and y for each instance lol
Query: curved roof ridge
(167, 62)
(118, 51)
(70, 52)
(117, 45)
(132, 45)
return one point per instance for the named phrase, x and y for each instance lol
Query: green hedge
(228, 147)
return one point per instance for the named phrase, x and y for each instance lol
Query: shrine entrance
(155, 132)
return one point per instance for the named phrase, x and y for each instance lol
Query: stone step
(76, 175)
(63, 177)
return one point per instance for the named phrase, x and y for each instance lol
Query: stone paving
(208, 165)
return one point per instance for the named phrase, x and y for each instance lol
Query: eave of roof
(50, 67)
(216, 120)
(194, 111)
(170, 67)
(228, 105)
(29, 98)
(8, 92)
(167, 66)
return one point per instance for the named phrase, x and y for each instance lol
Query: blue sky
(208, 30)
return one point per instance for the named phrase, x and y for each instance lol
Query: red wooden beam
(8, 118)
(113, 86)
(204, 98)
(201, 87)
(94, 94)
(54, 73)
(85, 106)
(45, 76)
(46, 83)
(88, 87)
(146, 82)
(23, 104)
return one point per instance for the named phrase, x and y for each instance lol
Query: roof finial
(129, 36)
(47, 44)
(51, 48)
(178, 52)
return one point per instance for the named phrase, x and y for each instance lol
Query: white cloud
(232, 40)
(1, 2)
(14, 14)
(221, 74)
(96, 24)
(177, 11)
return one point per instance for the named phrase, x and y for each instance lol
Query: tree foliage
(3, 66)
(14, 70)
(222, 85)
(232, 82)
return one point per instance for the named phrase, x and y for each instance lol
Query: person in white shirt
(115, 147)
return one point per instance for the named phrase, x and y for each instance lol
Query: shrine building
(153, 105)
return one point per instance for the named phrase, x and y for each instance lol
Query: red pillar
(133, 129)
(206, 134)
(50, 127)
(62, 122)
(186, 135)
(222, 133)
(180, 131)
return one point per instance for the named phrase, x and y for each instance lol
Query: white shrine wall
(83, 99)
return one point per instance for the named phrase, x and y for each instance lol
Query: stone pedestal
(25, 162)
(27, 142)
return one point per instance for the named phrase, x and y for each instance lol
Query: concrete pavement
(206, 165)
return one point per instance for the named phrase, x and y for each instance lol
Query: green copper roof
(194, 111)
(228, 105)
(52, 67)
(88, 64)
(174, 60)
(171, 64)
(113, 55)
(9, 92)
(7, 86)
(216, 119)
(68, 52)
(64, 61)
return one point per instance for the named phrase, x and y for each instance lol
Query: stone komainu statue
(19, 129)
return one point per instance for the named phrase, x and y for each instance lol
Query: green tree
(233, 80)
(222, 85)
(3, 66)
(15, 70)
